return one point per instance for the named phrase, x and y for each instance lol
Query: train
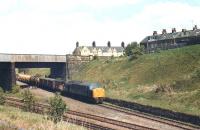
(85, 90)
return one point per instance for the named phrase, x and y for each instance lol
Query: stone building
(104, 51)
(171, 40)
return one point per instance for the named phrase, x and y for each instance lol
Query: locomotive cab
(98, 93)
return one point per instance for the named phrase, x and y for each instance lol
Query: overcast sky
(54, 26)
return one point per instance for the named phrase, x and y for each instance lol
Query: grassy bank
(169, 79)
(13, 118)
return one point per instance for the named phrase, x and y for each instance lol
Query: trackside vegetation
(168, 79)
(57, 108)
(2, 97)
(29, 101)
(16, 119)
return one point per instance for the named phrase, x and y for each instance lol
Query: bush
(196, 74)
(1, 90)
(15, 89)
(2, 97)
(134, 50)
(29, 101)
(57, 108)
(95, 58)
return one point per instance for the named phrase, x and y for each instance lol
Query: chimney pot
(195, 27)
(77, 44)
(173, 30)
(155, 33)
(184, 31)
(123, 44)
(164, 31)
(109, 44)
(93, 44)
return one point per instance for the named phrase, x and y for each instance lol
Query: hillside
(169, 79)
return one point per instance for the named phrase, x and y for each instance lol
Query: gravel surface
(98, 110)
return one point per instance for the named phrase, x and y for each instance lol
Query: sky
(54, 26)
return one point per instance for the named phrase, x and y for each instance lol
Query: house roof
(188, 33)
(103, 48)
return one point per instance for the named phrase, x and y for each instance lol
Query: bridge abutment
(7, 75)
(58, 71)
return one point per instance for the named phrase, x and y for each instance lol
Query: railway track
(174, 123)
(110, 121)
(87, 120)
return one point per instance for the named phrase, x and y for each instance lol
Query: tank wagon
(91, 91)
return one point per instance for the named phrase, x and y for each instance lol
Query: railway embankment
(168, 79)
(156, 111)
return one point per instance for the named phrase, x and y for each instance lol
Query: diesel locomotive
(90, 91)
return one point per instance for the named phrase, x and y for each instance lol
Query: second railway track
(88, 120)
(174, 123)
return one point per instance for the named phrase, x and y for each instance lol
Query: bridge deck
(31, 58)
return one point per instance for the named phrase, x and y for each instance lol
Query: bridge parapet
(5, 57)
(32, 58)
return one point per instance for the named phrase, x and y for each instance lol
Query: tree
(29, 101)
(57, 108)
(134, 50)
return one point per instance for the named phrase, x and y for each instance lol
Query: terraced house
(104, 51)
(171, 40)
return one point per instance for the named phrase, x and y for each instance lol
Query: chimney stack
(184, 31)
(155, 33)
(173, 30)
(195, 27)
(93, 44)
(164, 31)
(109, 44)
(123, 44)
(77, 44)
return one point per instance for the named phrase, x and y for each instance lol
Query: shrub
(196, 74)
(134, 50)
(1, 90)
(157, 50)
(2, 96)
(57, 108)
(95, 58)
(29, 101)
(15, 89)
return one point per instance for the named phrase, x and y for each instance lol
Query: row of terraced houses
(171, 40)
(151, 43)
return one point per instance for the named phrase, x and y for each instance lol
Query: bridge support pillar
(7, 75)
(58, 71)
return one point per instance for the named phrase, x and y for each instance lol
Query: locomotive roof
(91, 85)
(50, 79)
(88, 84)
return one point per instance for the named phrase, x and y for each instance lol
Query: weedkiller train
(91, 91)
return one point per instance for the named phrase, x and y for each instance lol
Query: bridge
(61, 66)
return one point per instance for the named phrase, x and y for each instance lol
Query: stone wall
(74, 64)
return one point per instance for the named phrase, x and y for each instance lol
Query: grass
(15, 119)
(167, 79)
(35, 71)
